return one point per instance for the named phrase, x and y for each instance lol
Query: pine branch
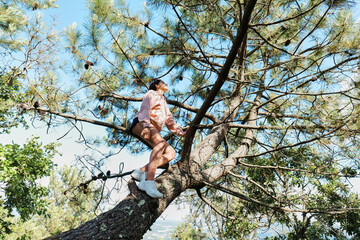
(212, 206)
(123, 52)
(95, 122)
(334, 210)
(279, 168)
(254, 183)
(316, 26)
(222, 77)
(289, 18)
(271, 44)
(172, 102)
(196, 42)
(288, 127)
(322, 136)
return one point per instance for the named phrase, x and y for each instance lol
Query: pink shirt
(155, 110)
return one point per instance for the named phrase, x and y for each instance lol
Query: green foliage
(20, 169)
(333, 208)
(5, 220)
(26, 46)
(244, 226)
(11, 94)
(67, 206)
(187, 230)
(14, 19)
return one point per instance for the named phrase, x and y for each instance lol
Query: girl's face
(162, 86)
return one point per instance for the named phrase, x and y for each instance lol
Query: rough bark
(135, 214)
(215, 172)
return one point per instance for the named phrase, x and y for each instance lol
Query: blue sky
(70, 11)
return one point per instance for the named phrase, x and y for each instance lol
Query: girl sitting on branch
(154, 114)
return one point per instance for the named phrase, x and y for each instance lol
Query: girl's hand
(184, 135)
(145, 133)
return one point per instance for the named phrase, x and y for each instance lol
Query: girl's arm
(171, 124)
(144, 113)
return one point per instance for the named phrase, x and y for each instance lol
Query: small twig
(194, 39)
(96, 122)
(255, 183)
(212, 206)
(329, 210)
(294, 170)
(123, 52)
(100, 176)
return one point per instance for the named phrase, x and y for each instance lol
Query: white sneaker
(138, 175)
(150, 188)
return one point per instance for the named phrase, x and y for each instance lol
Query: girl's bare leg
(161, 154)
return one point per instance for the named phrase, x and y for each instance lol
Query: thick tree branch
(222, 168)
(222, 77)
(201, 154)
(215, 172)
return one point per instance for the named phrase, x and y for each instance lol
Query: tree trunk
(135, 214)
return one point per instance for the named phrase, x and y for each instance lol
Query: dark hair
(155, 82)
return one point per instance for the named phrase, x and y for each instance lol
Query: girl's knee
(160, 144)
(170, 151)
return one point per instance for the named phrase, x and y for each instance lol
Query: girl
(154, 114)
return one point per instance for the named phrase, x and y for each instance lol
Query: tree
(273, 109)
(25, 46)
(64, 211)
(23, 49)
(20, 168)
